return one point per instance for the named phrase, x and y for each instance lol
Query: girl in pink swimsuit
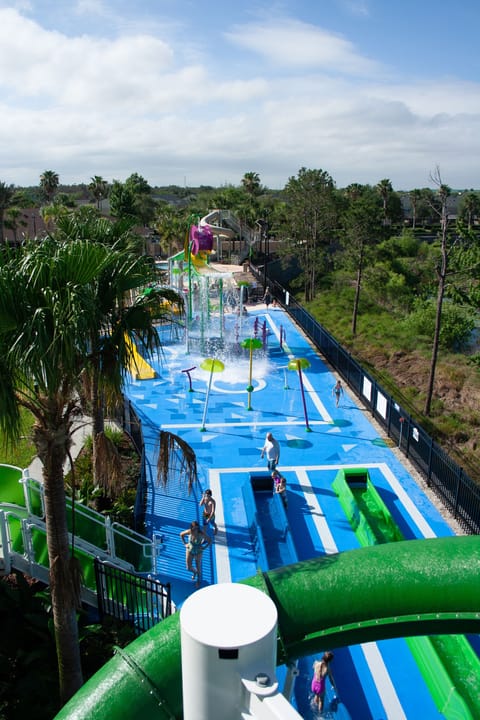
(320, 671)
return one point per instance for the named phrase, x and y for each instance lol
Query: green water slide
(450, 667)
(407, 588)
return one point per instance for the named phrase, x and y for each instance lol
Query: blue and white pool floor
(376, 681)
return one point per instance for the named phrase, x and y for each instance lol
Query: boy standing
(209, 507)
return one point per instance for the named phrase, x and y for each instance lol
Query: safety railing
(140, 601)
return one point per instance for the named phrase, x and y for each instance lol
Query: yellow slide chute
(138, 366)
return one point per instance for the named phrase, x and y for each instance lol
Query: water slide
(138, 367)
(401, 589)
(212, 220)
(448, 663)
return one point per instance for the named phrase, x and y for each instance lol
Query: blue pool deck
(377, 681)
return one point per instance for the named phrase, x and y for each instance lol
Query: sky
(200, 92)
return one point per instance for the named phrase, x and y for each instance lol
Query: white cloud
(88, 105)
(289, 43)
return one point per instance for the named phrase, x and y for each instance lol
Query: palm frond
(176, 459)
(108, 465)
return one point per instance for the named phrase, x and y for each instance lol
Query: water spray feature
(188, 371)
(297, 364)
(212, 365)
(252, 344)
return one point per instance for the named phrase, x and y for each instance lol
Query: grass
(23, 451)
(400, 361)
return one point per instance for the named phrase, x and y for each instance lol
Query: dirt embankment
(456, 400)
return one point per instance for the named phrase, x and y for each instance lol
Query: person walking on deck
(337, 390)
(271, 449)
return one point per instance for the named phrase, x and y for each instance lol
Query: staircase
(23, 537)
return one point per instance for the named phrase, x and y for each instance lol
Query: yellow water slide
(138, 367)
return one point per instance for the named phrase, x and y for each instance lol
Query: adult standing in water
(195, 540)
(272, 450)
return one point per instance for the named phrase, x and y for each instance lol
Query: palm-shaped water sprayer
(300, 364)
(252, 344)
(211, 365)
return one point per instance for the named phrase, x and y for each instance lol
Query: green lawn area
(23, 452)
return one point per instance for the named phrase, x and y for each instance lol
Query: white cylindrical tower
(228, 633)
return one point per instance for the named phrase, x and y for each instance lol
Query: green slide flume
(401, 589)
(450, 667)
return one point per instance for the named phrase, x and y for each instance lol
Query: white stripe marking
(316, 512)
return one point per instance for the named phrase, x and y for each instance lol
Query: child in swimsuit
(280, 486)
(209, 507)
(320, 671)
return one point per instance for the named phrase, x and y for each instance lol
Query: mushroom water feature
(298, 364)
(211, 365)
(252, 344)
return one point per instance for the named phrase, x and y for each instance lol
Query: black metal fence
(140, 601)
(457, 491)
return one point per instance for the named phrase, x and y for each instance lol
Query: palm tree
(6, 195)
(14, 218)
(415, 198)
(251, 183)
(99, 189)
(117, 320)
(50, 315)
(469, 207)
(52, 212)
(47, 302)
(171, 229)
(49, 182)
(385, 189)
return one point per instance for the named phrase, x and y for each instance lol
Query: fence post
(457, 493)
(389, 415)
(7, 566)
(374, 398)
(401, 420)
(429, 468)
(109, 536)
(407, 449)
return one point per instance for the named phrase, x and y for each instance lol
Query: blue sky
(192, 92)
